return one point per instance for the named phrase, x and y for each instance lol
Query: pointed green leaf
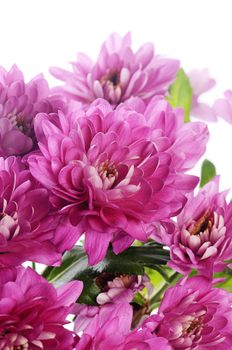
(180, 94)
(208, 171)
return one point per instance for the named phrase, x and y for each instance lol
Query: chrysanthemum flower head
(19, 104)
(118, 73)
(113, 171)
(203, 236)
(111, 329)
(33, 313)
(30, 228)
(194, 315)
(113, 290)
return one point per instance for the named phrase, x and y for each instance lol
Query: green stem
(47, 271)
(158, 295)
(162, 272)
(33, 265)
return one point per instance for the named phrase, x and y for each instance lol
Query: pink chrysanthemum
(19, 104)
(113, 171)
(33, 313)
(118, 73)
(194, 316)
(28, 225)
(203, 237)
(110, 329)
(121, 289)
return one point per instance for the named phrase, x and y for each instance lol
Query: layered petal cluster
(28, 224)
(223, 106)
(194, 315)
(203, 236)
(120, 289)
(33, 313)
(19, 104)
(201, 82)
(118, 73)
(111, 330)
(111, 172)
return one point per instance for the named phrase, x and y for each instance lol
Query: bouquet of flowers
(96, 184)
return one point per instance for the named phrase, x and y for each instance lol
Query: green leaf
(155, 277)
(180, 94)
(139, 299)
(157, 297)
(132, 261)
(227, 275)
(208, 171)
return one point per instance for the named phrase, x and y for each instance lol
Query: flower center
(103, 279)
(113, 78)
(205, 222)
(20, 123)
(4, 332)
(193, 326)
(10, 340)
(10, 225)
(23, 126)
(108, 173)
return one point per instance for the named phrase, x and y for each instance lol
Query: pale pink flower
(223, 107)
(201, 82)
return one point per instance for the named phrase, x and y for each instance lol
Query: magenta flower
(110, 329)
(28, 225)
(118, 74)
(223, 107)
(112, 172)
(33, 313)
(162, 231)
(194, 315)
(201, 83)
(121, 289)
(19, 104)
(203, 237)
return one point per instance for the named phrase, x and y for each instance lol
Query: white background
(42, 33)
